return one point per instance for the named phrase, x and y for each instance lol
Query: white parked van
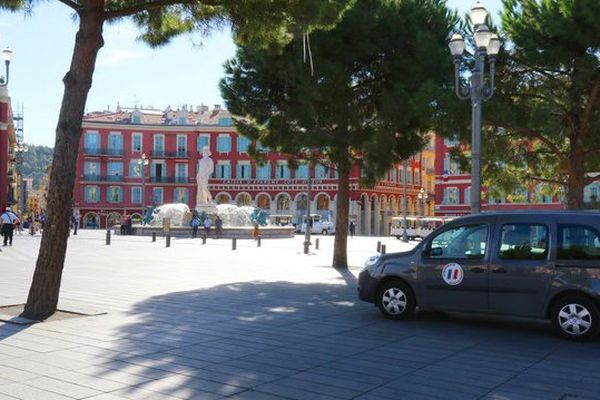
(319, 224)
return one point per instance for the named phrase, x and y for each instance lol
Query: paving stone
(25, 392)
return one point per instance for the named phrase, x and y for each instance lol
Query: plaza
(197, 321)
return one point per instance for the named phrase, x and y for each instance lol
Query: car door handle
(499, 271)
(477, 270)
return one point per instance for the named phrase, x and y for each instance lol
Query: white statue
(205, 170)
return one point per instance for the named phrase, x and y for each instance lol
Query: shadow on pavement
(254, 340)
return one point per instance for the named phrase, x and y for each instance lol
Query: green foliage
(35, 163)
(369, 102)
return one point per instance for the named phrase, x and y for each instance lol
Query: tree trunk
(43, 294)
(340, 258)
(575, 182)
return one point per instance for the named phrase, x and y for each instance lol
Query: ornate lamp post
(142, 166)
(20, 148)
(487, 43)
(404, 201)
(422, 199)
(6, 55)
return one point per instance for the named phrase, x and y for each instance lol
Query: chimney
(217, 107)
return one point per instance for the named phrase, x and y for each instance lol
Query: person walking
(75, 222)
(207, 224)
(352, 228)
(195, 224)
(7, 221)
(219, 227)
(18, 224)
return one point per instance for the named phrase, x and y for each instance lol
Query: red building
(110, 185)
(7, 156)
(453, 189)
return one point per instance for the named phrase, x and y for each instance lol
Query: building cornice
(158, 127)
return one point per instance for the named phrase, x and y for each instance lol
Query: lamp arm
(461, 92)
(490, 90)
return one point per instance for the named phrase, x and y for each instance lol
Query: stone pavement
(205, 322)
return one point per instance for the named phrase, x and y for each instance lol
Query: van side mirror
(433, 252)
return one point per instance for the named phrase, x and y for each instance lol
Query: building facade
(112, 183)
(453, 189)
(8, 176)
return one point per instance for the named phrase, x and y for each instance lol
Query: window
(223, 170)
(181, 172)
(577, 242)
(114, 194)
(320, 172)
(91, 169)
(451, 141)
(91, 194)
(157, 195)
(450, 195)
(417, 177)
(242, 144)
(263, 171)
(136, 195)
(243, 170)
(159, 145)
(392, 175)
(135, 169)
(181, 145)
(524, 242)
(409, 176)
(115, 171)
(224, 143)
(451, 167)
(462, 242)
(136, 117)
(283, 171)
(91, 143)
(467, 195)
(225, 121)
(136, 142)
(202, 142)
(302, 172)
(181, 195)
(115, 143)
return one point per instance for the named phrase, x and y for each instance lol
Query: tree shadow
(253, 339)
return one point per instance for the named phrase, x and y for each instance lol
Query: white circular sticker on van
(452, 274)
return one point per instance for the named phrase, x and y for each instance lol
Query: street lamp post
(142, 162)
(487, 43)
(404, 201)
(308, 219)
(422, 199)
(20, 148)
(6, 55)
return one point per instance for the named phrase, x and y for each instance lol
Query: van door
(521, 270)
(453, 270)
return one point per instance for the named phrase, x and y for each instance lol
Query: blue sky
(128, 72)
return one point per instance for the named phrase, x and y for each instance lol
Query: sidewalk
(206, 322)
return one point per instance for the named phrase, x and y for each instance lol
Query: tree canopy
(368, 102)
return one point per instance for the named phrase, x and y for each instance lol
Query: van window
(576, 242)
(524, 242)
(462, 242)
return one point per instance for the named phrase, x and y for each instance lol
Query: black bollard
(233, 244)
(203, 239)
(383, 249)
(154, 236)
(168, 240)
(258, 241)
(378, 246)
(108, 237)
(317, 244)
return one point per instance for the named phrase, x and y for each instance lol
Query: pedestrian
(352, 228)
(75, 222)
(18, 224)
(219, 226)
(195, 224)
(207, 224)
(256, 231)
(7, 221)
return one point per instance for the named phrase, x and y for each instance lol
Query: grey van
(527, 264)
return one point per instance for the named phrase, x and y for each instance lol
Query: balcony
(102, 178)
(170, 154)
(171, 179)
(95, 151)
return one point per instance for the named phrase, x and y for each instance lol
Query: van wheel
(576, 317)
(395, 300)
(324, 232)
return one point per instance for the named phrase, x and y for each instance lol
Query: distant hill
(35, 163)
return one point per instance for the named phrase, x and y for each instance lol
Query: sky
(185, 72)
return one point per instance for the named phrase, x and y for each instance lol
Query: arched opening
(91, 221)
(283, 203)
(263, 201)
(243, 199)
(223, 198)
(114, 219)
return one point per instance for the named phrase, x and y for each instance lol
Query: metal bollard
(378, 246)
(233, 243)
(317, 244)
(168, 240)
(258, 241)
(108, 237)
(203, 239)
(154, 236)
(383, 249)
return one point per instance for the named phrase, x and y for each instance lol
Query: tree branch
(150, 5)
(535, 135)
(554, 181)
(587, 114)
(71, 4)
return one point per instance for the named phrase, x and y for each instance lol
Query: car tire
(576, 317)
(324, 232)
(396, 300)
